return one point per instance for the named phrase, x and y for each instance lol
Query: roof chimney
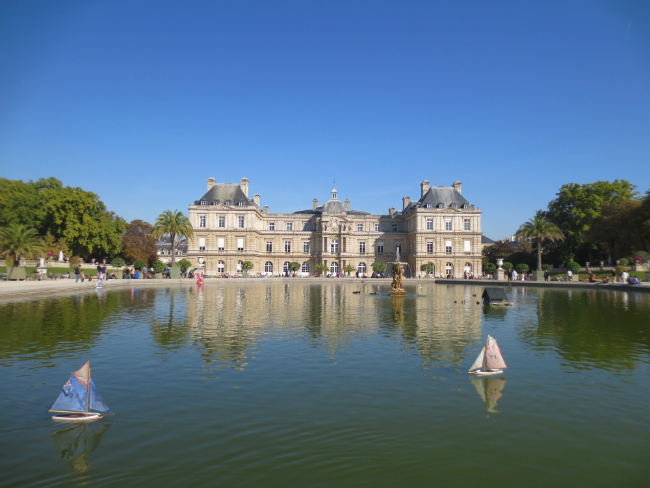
(315, 203)
(405, 201)
(211, 183)
(391, 211)
(266, 209)
(244, 186)
(347, 204)
(456, 185)
(425, 187)
(256, 199)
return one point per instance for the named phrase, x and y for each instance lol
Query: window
(394, 227)
(216, 202)
(203, 202)
(228, 202)
(398, 249)
(239, 263)
(305, 247)
(376, 227)
(240, 222)
(269, 246)
(441, 205)
(240, 244)
(359, 227)
(220, 244)
(429, 224)
(429, 205)
(454, 205)
(220, 267)
(362, 248)
(334, 268)
(334, 246)
(202, 221)
(201, 244)
(222, 221)
(467, 224)
(429, 247)
(447, 224)
(306, 228)
(361, 269)
(467, 247)
(448, 247)
(449, 269)
(287, 246)
(285, 267)
(240, 204)
(305, 267)
(468, 267)
(289, 226)
(380, 248)
(268, 267)
(271, 225)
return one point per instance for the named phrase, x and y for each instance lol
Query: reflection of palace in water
(229, 321)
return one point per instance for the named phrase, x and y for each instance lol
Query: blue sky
(142, 101)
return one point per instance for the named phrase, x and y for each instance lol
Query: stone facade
(441, 228)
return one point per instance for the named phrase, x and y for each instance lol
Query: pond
(278, 383)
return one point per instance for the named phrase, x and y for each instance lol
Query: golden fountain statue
(397, 288)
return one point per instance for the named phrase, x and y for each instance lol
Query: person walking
(82, 275)
(77, 272)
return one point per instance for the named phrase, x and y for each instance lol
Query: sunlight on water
(328, 384)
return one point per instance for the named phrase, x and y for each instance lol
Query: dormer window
(228, 203)
(453, 205)
(441, 205)
(464, 205)
(203, 202)
(429, 205)
(241, 204)
(217, 202)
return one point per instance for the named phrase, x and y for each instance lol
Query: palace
(441, 228)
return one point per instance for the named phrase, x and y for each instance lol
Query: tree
(139, 264)
(499, 249)
(576, 207)
(138, 243)
(18, 240)
(539, 229)
(246, 266)
(348, 268)
(522, 268)
(320, 268)
(158, 266)
(176, 225)
(490, 268)
(184, 264)
(379, 267)
(294, 266)
(117, 262)
(427, 267)
(616, 229)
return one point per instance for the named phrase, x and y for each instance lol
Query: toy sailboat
(78, 397)
(489, 361)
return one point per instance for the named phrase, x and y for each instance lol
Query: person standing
(569, 275)
(514, 275)
(546, 275)
(77, 272)
(144, 272)
(133, 273)
(82, 275)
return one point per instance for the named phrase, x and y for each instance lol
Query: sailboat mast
(485, 355)
(88, 391)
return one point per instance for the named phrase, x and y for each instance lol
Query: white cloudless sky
(141, 101)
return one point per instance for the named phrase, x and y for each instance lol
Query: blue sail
(72, 398)
(96, 401)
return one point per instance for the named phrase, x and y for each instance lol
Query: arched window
(449, 269)
(285, 267)
(220, 267)
(468, 267)
(305, 267)
(361, 268)
(334, 268)
(268, 267)
(239, 266)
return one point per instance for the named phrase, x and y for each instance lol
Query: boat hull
(488, 372)
(77, 417)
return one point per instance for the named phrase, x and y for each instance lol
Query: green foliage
(490, 268)
(73, 261)
(294, 266)
(499, 249)
(577, 206)
(427, 267)
(174, 224)
(117, 262)
(139, 264)
(138, 243)
(623, 262)
(379, 267)
(507, 266)
(246, 266)
(348, 268)
(573, 266)
(539, 229)
(184, 264)
(620, 269)
(18, 240)
(546, 266)
(158, 266)
(522, 268)
(320, 268)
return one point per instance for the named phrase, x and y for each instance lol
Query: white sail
(493, 357)
(478, 364)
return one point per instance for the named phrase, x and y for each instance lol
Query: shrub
(183, 264)
(623, 262)
(522, 268)
(507, 266)
(158, 266)
(117, 262)
(546, 266)
(320, 268)
(74, 261)
(490, 268)
(379, 267)
(573, 266)
(620, 269)
(139, 264)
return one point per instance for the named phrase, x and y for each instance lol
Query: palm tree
(540, 229)
(18, 240)
(172, 223)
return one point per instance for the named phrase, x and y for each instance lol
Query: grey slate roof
(221, 193)
(486, 240)
(494, 295)
(438, 195)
